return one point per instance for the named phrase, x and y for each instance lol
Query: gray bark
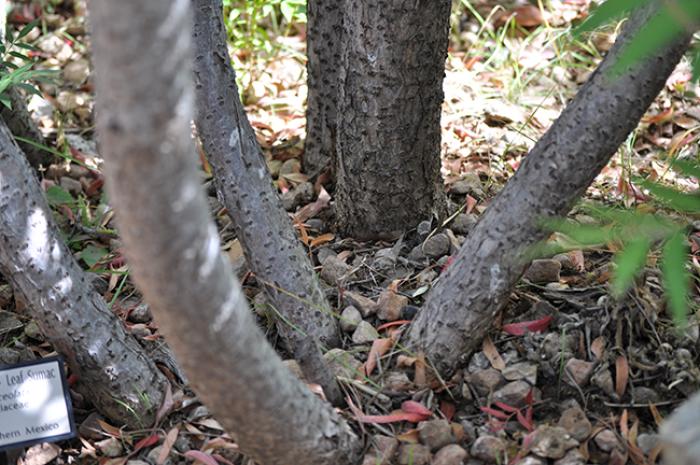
(323, 38)
(145, 98)
(269, 241)
(21, 125)
(680, 434)
(112, 368)
(389, 104)
(460, 309)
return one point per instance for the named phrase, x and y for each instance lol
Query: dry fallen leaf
(168, 443)
(622, 371)
(420, 377)
(492, 354)
(598, 347)
(379, 348)
(201, 457)
(41, 454)
(313, 209)
(322, 239)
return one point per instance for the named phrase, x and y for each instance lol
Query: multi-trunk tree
(375, 94)
(172, 244)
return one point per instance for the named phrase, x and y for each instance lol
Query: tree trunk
(21, 125)
(113, 371)
(145, 98)
(461, 308)
(389, 105)
(680, 434)
(271, 246)
(323, 38)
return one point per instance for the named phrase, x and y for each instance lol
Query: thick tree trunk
(264, 229)
(145, 99)
(112, 368)
(389, 105)
(323, 38)
(21, 125)
(461, 308)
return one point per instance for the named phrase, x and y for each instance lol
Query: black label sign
(34, 404)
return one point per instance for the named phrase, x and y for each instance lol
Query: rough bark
(680, 434)
(324, 30)
(145, 99)
(112, 368)
(389, 105)
(21, 125)
(269, 242)
(460, 309)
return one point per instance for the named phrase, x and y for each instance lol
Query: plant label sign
(34, 404)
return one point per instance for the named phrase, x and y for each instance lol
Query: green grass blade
(676, 278)
(628, 262)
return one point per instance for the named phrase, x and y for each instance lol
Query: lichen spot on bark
(227, 309)
(187, 193)
(496, 282)
(234, 139)
(37, 238)
(64, 286)
(179, 9)
(211, 248)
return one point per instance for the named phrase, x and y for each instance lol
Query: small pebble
(437, 246)
(543, 271)
(365, 333)
(414, 454)
(450, 455)
(580, 371)
(390, 305)
(435, 433)
(349, 319)
(490, 449)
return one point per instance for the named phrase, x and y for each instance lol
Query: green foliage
(635, 234)
(253, 27)
(16, 67)
(671, 20)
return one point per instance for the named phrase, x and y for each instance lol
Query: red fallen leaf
(198, 456)
(391, 418)
(523, 420)
(495, 413)
(535, 326)
(72, 379)
(411, 411)
(448, 409)
(222, 459)
(411, 406)
(392, 324)
(505, 407)
(94, 187)
(147, 442)
(471, 203)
